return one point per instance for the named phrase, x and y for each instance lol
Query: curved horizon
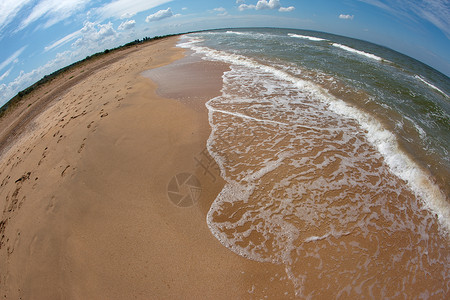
(40, 38)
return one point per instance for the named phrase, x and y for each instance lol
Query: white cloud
(127, 15)
(63, 40)
(162, 14)
(240, 1)
(94, 36)
(9, 9)
(346, 17)
(127, 9)
(184, 8)
(272, 4)
(6, 74)
(222, 11)
(246, 6)
(54, 11)
(127, 25)
(12, 59)
(286, 9)
(264, 4)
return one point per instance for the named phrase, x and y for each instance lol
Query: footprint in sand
(61, 137)
(44, 155)
(2, 231)
(64, 171)
(82, 146)
(5, 180)
(10, 249)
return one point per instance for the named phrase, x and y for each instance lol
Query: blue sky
(37, 37)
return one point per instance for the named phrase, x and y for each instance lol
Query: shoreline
(84, 192)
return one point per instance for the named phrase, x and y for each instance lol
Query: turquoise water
(333, 150)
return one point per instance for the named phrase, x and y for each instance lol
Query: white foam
(399, 163)
(249, 34)
(352, 50)
(235, 32)
(245, 116)
(306, 37)
(293, 193)
(187, 42)
(431, 86)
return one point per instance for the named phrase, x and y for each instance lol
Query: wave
(382, 139)
(236, 32)
(352, 50)
(431, 86)
(311, 38)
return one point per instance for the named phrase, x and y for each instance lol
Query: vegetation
(48, 78)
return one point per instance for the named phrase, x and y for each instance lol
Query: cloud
(127, 15)
(436, 12)
(54, 11)
(9, 10)
(246, 6)
(63, 40)
(346, 17)
(94, 36)
(222, 11)
(12, 59)
(272, 4)
(126, 8)
(162, 14)
(266, 5)
(127, 25)
(286, 9)
(6, 74)
(240, 1)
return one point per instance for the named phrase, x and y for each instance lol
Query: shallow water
(328, 171)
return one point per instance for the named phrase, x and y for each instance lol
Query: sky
(38, 37)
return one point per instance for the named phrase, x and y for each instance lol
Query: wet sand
(84, 189)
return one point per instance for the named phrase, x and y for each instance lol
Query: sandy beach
(108, 191)
(86, 165)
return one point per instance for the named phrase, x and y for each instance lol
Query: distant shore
(28, 103)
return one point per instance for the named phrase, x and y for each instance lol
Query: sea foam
(352, 50)
(431, 85)
(310, 178)
(306, 37)
(399, 162)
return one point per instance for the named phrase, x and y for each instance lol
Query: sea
(335, 154)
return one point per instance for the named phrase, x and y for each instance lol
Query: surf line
(431, 86)
(239, 115)
(245, 116)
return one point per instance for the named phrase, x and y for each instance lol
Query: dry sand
(84, 171)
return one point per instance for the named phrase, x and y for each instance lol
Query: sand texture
(86, 164)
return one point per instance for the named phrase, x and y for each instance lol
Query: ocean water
(335, 157)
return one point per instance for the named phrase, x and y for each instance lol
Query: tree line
(47, 78)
